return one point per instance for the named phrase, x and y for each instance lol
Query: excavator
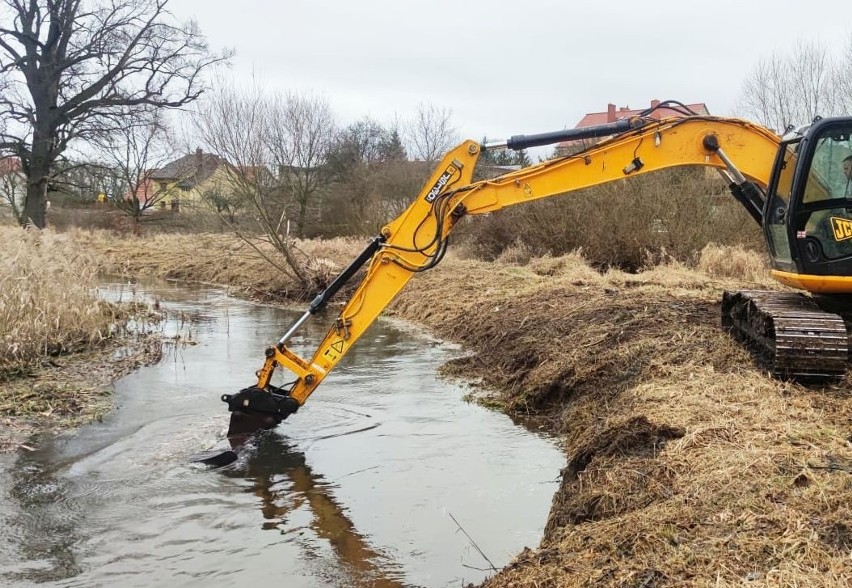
(796, 186)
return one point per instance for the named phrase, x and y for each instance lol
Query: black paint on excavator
(216, 458)
(269, 406)
(252, 410)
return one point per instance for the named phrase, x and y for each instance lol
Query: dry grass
(733, 262)
(48, 302)
(57, 332)
(688, 466)
(223, 260)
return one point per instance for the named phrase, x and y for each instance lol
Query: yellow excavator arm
(417, 239)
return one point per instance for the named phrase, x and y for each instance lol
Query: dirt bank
(687, 465)
(69, 390)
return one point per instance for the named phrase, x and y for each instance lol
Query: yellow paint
(841, 228)
(816, 284)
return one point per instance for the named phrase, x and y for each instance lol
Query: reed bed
(48, 300)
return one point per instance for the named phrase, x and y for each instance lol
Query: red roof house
(13, 181)
(612, 114)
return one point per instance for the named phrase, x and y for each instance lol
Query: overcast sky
(517, 67)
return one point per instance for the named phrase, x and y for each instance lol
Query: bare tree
(11, 184)
(372, 180)
(842, 76)
(226, 201)
(792, 89)
(298, 134)
(129, 156)
(76, 67)
(430, 133)
(275, 158)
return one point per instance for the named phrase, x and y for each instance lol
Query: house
(145, 192)
(13, 183)
(612, 114)
(184, 181)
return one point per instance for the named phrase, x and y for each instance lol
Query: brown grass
(733, 262)
(48, 302)
(55, 331)
(218, 259)
(688, 466)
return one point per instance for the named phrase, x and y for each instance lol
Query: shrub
(670, 214)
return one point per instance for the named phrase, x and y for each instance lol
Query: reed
(48, 300)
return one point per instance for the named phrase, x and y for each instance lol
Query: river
(386, 477)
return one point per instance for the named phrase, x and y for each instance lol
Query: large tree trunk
(35, 204)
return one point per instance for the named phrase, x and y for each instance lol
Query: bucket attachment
(253, 410)
(263, 409)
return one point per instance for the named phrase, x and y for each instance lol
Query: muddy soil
(69, 390)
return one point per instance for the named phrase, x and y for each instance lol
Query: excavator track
(790, 335)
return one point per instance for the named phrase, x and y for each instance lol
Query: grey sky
(516, 67)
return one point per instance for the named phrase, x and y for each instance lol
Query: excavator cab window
(777, 205)
(822, 222)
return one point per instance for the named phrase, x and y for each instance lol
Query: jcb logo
(842, 228)
(440, 184)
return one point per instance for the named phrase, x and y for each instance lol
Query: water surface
(369, 484)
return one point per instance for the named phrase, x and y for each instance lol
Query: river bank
(69, 391)
(61, 343)
(688, 466)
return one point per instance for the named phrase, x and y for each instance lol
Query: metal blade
(241, 429)
(216, 458)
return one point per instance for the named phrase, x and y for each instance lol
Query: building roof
(611, 114)
(191, 169)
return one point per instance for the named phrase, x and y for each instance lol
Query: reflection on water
(359, 488)
(284, 483)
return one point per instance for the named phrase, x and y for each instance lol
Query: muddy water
(385, 478)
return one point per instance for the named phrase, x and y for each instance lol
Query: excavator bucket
(253, 410)
(246, 424)
(242, 428)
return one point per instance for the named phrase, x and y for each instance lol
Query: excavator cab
(808, 209)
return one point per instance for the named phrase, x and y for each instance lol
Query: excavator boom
(743, 152)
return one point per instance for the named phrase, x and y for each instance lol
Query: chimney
(610, 113)
(198, 151)
(655, 103)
